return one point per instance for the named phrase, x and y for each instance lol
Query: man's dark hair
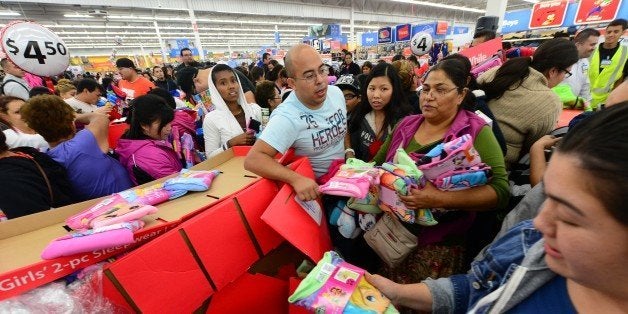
(348, 54)
(184, 49)
(619, 22)
(487, 34)
(585, 34)
(265, 55)
(89, 84)
(39, 90)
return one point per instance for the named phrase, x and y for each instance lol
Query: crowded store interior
(326, 156)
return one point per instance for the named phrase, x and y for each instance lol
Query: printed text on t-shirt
(325, 138)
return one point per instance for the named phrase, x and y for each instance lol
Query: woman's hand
(427, 197)
(245, 139)
(545, 142)
(386, 286)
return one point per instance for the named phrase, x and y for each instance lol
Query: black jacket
(23, 189)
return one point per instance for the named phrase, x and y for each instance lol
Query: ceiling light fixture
(9, 13)
(76, 15)
(441, 6)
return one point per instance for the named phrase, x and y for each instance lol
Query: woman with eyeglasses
(519, 94)
(382, 105)
(228, 125)
(447, 113)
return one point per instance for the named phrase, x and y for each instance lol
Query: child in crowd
(143, 149)
(227, 126)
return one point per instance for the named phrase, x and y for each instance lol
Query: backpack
(4, 82)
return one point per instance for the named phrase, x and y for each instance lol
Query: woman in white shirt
(18, 134)
(229, 123)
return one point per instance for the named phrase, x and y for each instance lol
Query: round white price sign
(421, 43)
(34, 48)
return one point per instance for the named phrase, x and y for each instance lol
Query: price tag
(34, 48)
(421, 43)
(311, 208)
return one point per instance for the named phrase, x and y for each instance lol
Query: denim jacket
(519, 251)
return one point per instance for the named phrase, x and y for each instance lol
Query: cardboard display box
(206, 262)
(23, 239)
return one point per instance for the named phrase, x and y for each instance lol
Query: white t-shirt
(579, 80)
(19, 139)
(318, 134)
(80, 106)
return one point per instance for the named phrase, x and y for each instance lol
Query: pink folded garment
(82, 219)
(485, 66)
(357, 187)
(152, 195)
(192, 180)
(453, 155)
(92, 239)
(122, 213)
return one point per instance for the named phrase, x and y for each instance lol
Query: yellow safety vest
(602, 82)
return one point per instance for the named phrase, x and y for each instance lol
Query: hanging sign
(548, 14)
(597, 11)
(421, 43)
(34, 48)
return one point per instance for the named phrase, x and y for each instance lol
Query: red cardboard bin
(23, 239)
(225, 241)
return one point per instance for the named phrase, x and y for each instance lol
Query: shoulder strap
(41, 170)
(43, 173)
(4, 82)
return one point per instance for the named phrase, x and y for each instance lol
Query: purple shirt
(92, 173)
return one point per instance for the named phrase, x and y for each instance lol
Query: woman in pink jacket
(143, 149)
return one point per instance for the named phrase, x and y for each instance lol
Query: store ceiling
(129, 25)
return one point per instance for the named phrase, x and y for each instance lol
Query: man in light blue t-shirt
(313, 120)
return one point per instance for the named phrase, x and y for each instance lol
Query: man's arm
(260, 160)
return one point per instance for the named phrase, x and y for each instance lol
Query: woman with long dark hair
(382, 104)
(143, 148)
(520, 96)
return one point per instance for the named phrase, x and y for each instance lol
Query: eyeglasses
(567, 73)
(310, 77)
(350, 96)
(439, 92)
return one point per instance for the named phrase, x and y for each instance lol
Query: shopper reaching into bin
(313, 120)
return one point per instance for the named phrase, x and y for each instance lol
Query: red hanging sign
(596, 11)
(482, 52)
(441, 28)
(548, 14)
